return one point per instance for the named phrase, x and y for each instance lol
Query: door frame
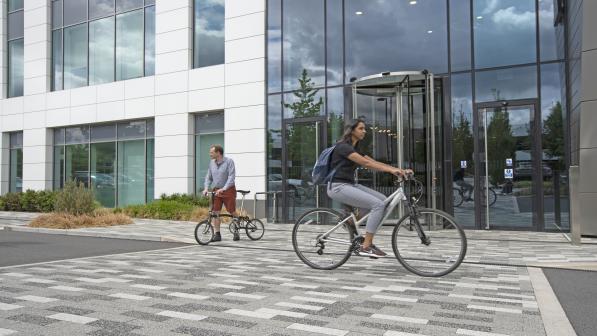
(322, 120)
(538, 223)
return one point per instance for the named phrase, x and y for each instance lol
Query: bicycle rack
(274, 205)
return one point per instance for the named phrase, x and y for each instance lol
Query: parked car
(524, 170)
(300, 187)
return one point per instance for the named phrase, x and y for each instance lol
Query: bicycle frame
(390, 204)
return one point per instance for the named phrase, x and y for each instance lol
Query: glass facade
(115, 160)
(209, 131)
(15, 48)
(16, 162)
(208, 39)
(484, 52)
(99, 41)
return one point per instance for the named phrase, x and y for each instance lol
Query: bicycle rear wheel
(204, 232)
(316, 248)
(430, 244)
(254, 229)
(492, 197)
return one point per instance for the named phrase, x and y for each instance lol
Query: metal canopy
(385, 83)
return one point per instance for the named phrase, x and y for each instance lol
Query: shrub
(161, 209)
(100, 218)
(12, 202)
(75, 199)
(200, 201)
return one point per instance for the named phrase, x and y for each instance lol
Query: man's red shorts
(228, 198)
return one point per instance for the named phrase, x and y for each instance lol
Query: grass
(100, 218)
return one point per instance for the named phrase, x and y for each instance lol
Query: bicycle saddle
(243, 192)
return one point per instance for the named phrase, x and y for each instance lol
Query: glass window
(150, 128)
(209, 130)
(57, 60)
(15, 68)
(100, 8)
(335, 107)
(75, 11)
(15, 25)
(274, 148)
(506, 84)
(56, 13)
(75, 56)
(149, 2)
(14, 5)
(129, 45)
(548, 45)
(125, 5)
(460, 34)
(16, 170)
(102, 172)
(77, 163)
(131, 172)
(388, 35)
(103, 133)
(504, 32)
(59, 161)
(101, 51)
(308, 102)
(555, 171)
(304, 44)
(77, 135)
(463, 165)
(59, 136)
(274, 45)
(209, 33)
(150, 170)
(149, 41)
(334, 42)
(131, 130)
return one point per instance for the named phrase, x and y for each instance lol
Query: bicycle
(459, 198)
(422, 240)
(253, 227)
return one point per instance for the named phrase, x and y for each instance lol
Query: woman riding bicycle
(342, 188)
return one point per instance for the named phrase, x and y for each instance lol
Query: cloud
(510, 18)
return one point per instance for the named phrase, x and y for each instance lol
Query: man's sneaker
(371, 251)
(216, 238)
(235, 236)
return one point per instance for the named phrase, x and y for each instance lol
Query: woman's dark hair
(350, 126)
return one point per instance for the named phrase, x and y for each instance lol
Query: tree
(305, 106)
(463, 142)
(501, 143)
(553, 131)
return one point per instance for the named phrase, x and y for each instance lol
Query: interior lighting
(413, 2)
(358, 13)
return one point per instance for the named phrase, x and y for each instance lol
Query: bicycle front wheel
(204, 232)
(318, 243)
(430, 244)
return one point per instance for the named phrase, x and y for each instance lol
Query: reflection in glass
(131, 172)
(129, 45)
(124, 5)
(150, 156)
(103, 133)
(203, 142)
(463, 165)
(335, 107)
(334, 42)
(76, 135)
(274, 46)
(306, 102)
(103, 164)
(57, 59)
(75, 56)
(101, 51)
(391, 35)
(506, 84)
(57, 14)
(303, 46)
(150, 41)
(460, 34)
(16, 170)
(131, 130)
(77, 163)
(555, 173)
(75, 11)
(100, 8)
(15, 25)
(59, 167)
(209, 33)
(548, 45)
(15, 68)
(14, 5)
(274, 149)
(504, 32)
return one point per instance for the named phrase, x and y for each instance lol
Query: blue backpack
(322, 172)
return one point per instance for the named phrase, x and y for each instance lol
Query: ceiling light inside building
(413, 2)
(429, 31)
(358, 13)
(479, 17)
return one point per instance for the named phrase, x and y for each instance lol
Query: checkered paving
(230, 291)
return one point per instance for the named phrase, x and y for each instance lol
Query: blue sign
(508, 162)
(462, 164)
(508, 173)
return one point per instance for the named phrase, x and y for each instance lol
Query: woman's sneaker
(371, 251)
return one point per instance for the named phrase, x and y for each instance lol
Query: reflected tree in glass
(500, 143)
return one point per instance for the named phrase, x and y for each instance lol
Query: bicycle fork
(414, 218)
